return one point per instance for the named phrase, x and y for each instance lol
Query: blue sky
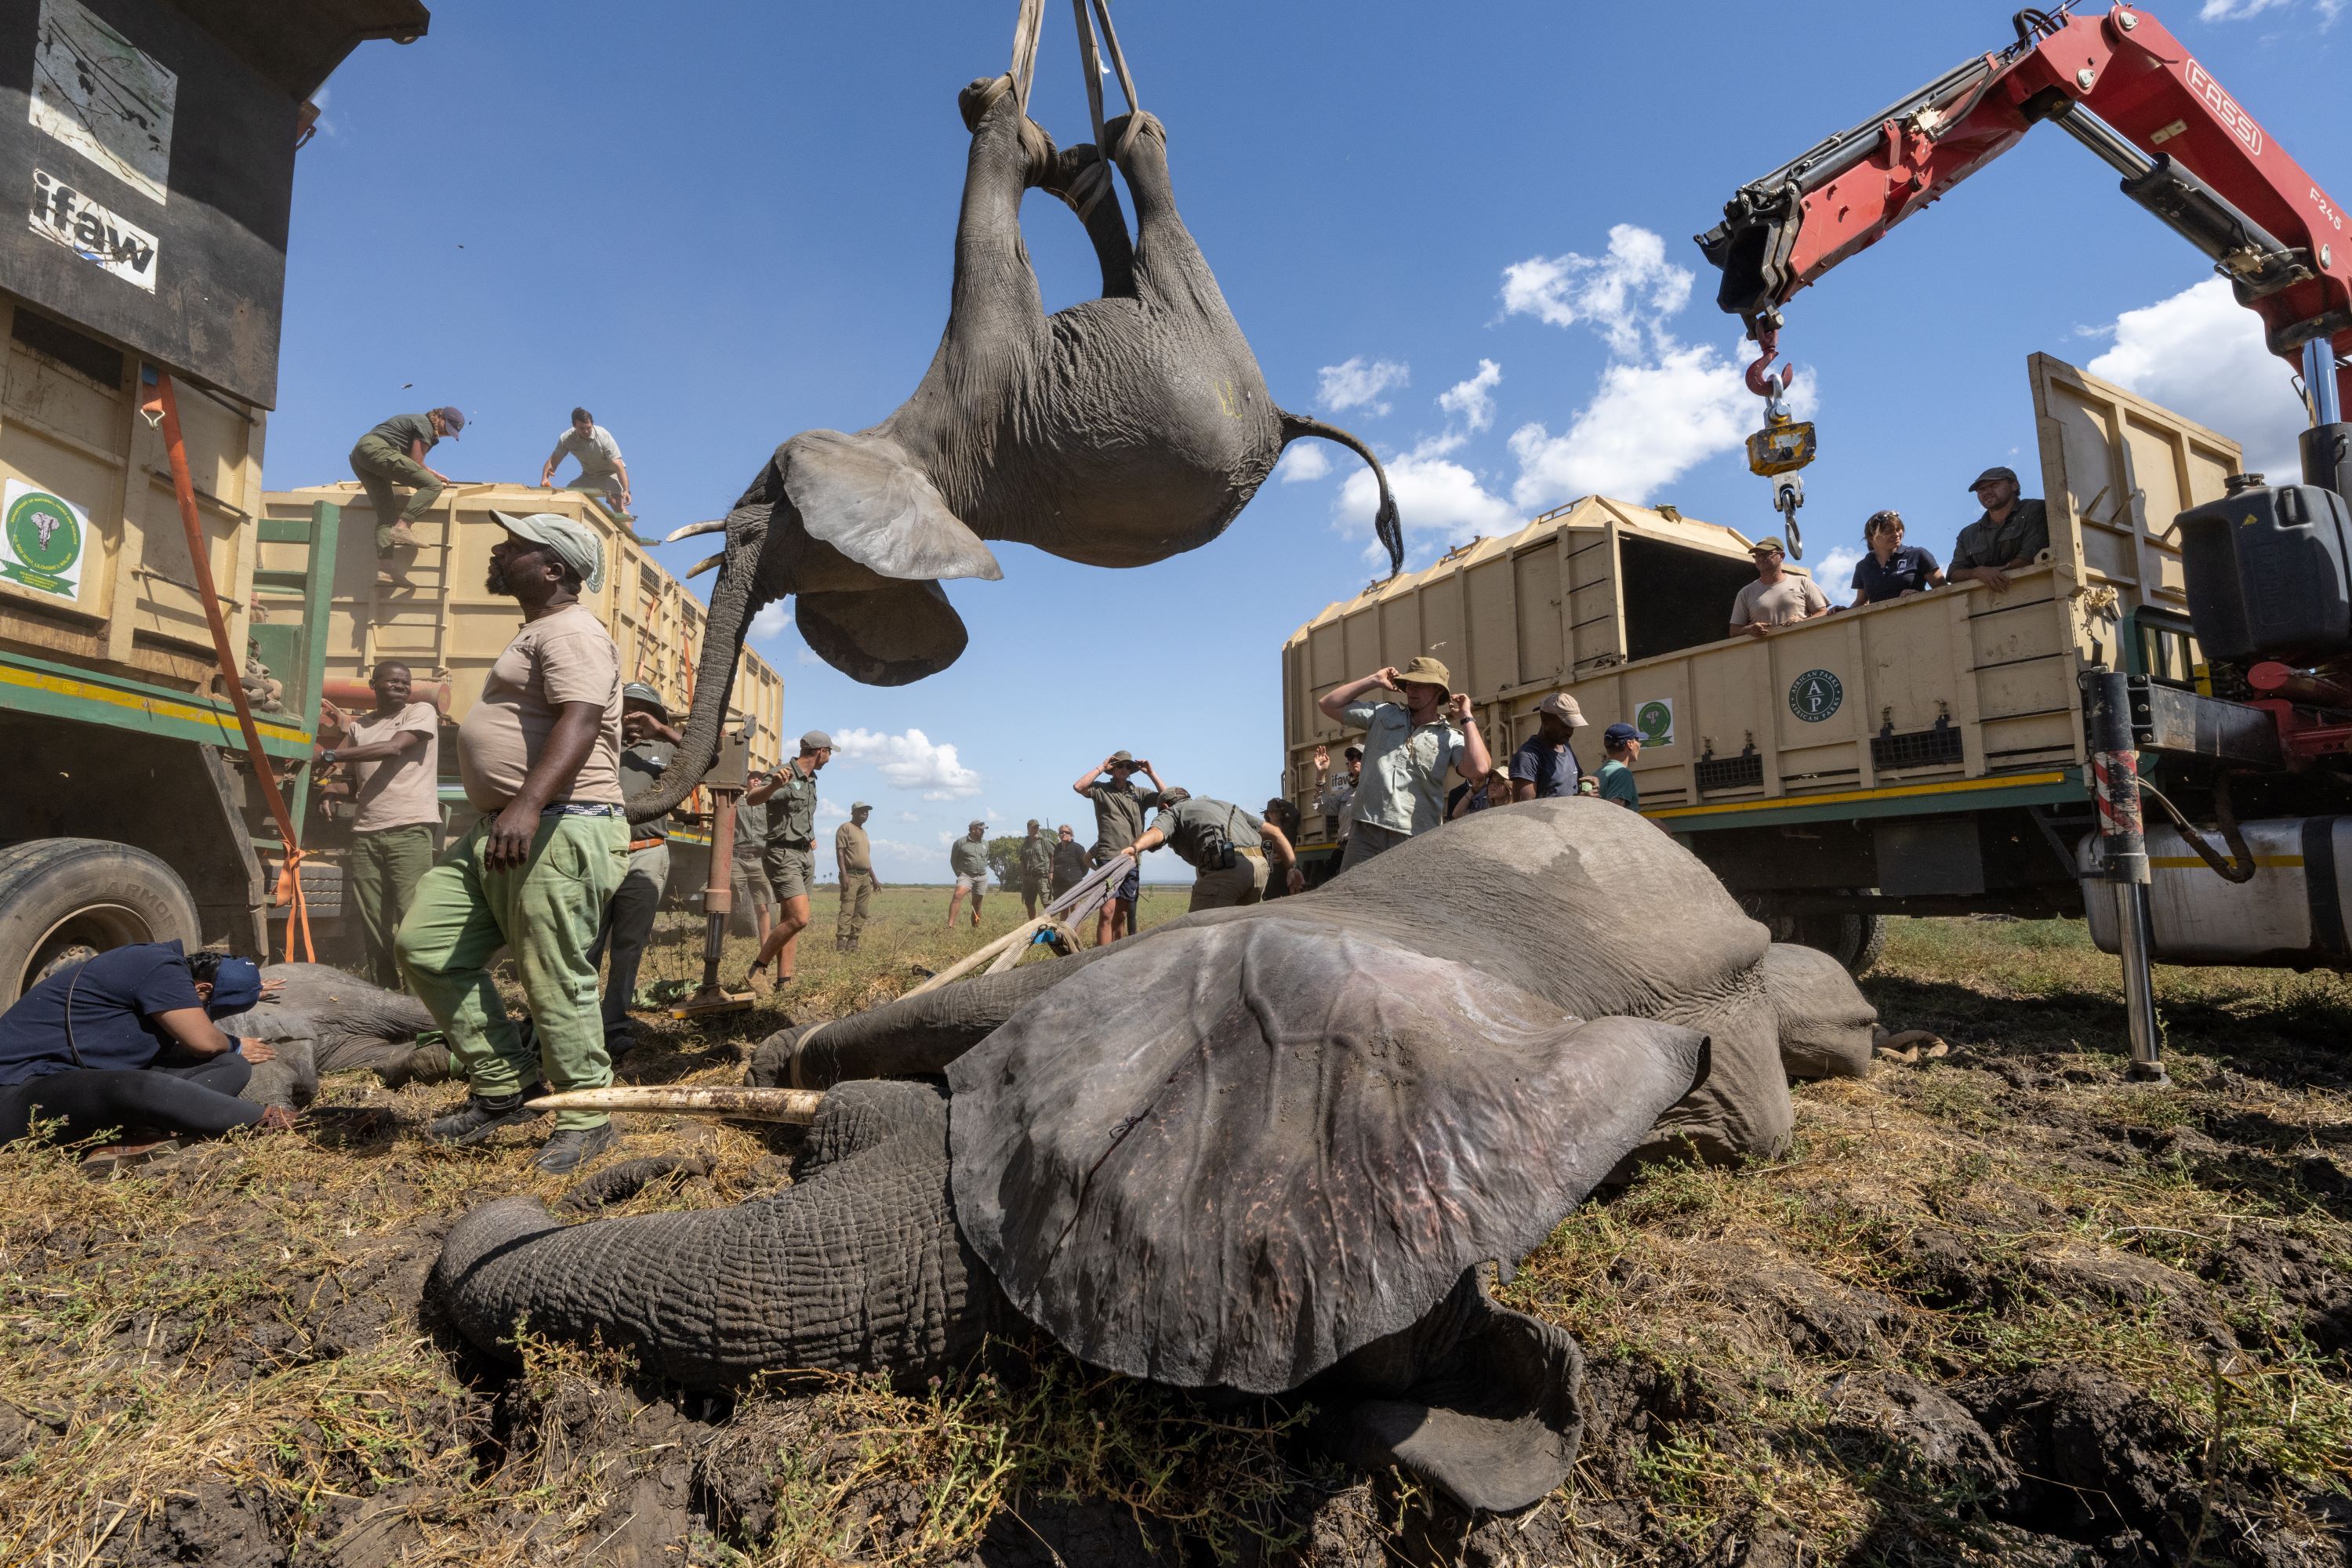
(717, 225)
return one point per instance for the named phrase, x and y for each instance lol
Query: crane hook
(1772, 388)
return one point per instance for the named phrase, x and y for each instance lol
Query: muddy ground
(1998, 1305)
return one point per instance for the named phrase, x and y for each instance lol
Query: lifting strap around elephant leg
(1092, 62)
(1026, 27)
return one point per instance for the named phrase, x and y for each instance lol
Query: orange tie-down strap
(165, 407)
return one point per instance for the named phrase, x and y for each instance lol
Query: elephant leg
(994, 302)
(1081, 177)
(1476, 1399)
(1164, 250)
(912, 1036)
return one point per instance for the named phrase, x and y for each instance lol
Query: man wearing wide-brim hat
(540, 756)
(2009, 536)
(1776, 597)
(1410, 746)
(650, 743)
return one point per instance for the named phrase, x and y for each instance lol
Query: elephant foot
(1080, 177)
(1121, 135)
(1476, 1399)
(983, 94)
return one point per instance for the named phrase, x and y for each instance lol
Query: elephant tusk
(797, 1106)
(702, 566)
(716, 525)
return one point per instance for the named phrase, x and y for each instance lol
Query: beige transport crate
(1970, 693)
(445, 624)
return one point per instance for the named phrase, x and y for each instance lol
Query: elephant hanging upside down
(1118, 432)
(1266, 1149)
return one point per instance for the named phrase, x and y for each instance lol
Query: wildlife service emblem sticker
(41, 539)
(1815, 695)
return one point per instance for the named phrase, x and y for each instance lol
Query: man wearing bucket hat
(2006, 538)
(1775, 598)
(1545, 765)
(790, 795)
(393, 453)
(540, 756)
(82, 1045)
(1118, 821)
(1409, 747)
(648, 743)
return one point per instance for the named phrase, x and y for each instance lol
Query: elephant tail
(1385, 522)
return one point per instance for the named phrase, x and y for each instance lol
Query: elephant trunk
(856, 1267)
(722, 645)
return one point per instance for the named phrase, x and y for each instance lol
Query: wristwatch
(326, 756)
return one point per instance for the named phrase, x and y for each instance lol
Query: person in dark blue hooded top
(125, 1043)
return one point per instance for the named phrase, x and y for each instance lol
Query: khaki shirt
(1119, 814)
(968, 857)
(567, 657)
(398, 792)
(1781, 604)
(1405, 765)
(1189, 827)
(1036, 859)
(853, 848)
(751, 831)
(599, 453)
(791, 810)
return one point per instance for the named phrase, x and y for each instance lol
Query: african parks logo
(1815, 695)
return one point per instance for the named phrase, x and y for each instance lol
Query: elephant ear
(864, 496)
(1230, 1154)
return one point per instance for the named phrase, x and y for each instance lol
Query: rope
(1025, 30)
(290, 879)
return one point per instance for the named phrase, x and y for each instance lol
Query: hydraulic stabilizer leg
(729, 773)
(2114, 767)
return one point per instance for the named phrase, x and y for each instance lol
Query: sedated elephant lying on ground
(1118, 432)
(324, 1021)
(1264, 1149)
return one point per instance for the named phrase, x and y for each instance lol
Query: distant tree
(1005, 859)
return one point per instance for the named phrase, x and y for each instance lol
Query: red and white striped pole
(2123, 854)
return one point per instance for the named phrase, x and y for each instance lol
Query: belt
(792, 843)
(582, 808)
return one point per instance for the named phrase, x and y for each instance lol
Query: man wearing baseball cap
(1545, 765)
(1776, 598)
(1333, 796)
(1118, 820)
(540, 756)
(649, 743)
(1036, 867)
(1409, 749)
(967, 859)
(790, 795)
(2005, 539)
(1623, 744)
(853, 855)
(393, 454)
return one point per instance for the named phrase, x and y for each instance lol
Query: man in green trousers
(540, 756)
(394, 758)
(393, 454)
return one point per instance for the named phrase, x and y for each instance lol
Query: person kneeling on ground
(1225, 848)
(82, 1047)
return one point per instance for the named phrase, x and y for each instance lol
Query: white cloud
(909, 816)
(809, 655)
(1834, 573)
(1649, 424)
(1443, 502)
(1359, 382)
(1618, 294)
(769, 623)
(2201, 354)
(1474, 399)
(826, 810)
(2240, 10)
(1303, 462)
(912, 761)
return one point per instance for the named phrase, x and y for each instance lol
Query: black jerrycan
(2270, 572)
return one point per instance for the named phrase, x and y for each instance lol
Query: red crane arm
(2122, 85)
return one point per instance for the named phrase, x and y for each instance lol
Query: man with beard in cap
(85, 1045)
(790, 795)
(1409, 748)
(393, 453)
(540, 754)
(853, 855)
(649, 742)
(1036, 868)
(1224, 846)
(2006, 538)
(1544, 767)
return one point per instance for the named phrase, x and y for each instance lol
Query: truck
(448, 629)
(153, 147)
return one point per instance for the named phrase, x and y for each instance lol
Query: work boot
(480, 1117)
(401, 534)
(568, 1147)
(756, 982)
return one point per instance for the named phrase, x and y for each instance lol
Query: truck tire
(1854, 941)
(62, 893)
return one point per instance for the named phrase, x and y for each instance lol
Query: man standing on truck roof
(1545, 765)
(1118, 818)
(1623, 744)
(601, 467)
(853, 855)
(967, 859)
(1409, 748)
(540, 756)
(649, 742)
(790, 795)
(1775, 598)
(393, 454)
(1332, 798)
(2006, 539)
(395, 756)
(1224, 846)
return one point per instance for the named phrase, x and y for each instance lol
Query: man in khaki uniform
(790, 795)
(1118, 817)
(1036, 868)
(853, 855)
(1775, 598)
(1225, 846)
(967, 859)
(395, 756)
(540, 756)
